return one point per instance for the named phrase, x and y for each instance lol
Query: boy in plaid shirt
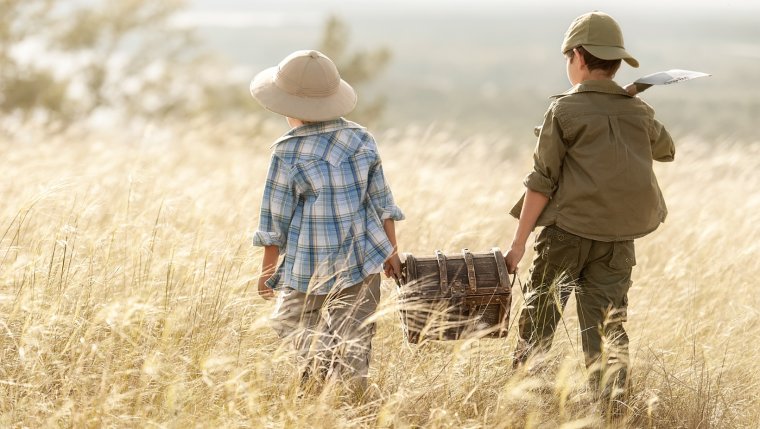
(328, 209)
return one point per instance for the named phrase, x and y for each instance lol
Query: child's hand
(513, 258)
(392, 267)
(636, 88)
(631, 89)
(265, 291)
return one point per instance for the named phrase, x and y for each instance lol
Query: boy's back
(595, 155)
(329, 198)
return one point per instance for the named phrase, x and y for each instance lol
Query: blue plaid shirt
(324, 204)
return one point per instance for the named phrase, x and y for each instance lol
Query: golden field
(127, 289)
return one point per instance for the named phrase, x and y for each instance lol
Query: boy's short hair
(593, 63)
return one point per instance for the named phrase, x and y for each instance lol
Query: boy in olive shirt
(594, 190)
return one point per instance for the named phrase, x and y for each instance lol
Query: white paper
(670, 76)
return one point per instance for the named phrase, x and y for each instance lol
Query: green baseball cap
(600, 35)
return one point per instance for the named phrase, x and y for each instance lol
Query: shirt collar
(317, 128)
(604, 86)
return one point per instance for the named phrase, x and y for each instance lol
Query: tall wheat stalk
(127, 291)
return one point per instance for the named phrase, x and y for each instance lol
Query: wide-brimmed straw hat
(305, 85)
(600, 35)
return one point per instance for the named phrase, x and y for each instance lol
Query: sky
(433, 5)
(470, 61)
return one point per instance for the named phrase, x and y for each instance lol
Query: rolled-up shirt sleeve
(277, 206)
(380, 194)
(547, 158)
(663, 148)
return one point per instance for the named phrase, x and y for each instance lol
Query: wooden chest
(448, 297)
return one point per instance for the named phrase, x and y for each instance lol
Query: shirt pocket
(312, 177)
(623, 255)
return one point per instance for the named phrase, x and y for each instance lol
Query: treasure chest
(448, 297)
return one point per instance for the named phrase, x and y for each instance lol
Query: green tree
(65, 61)
(23, 86)
(124, 56)
(357, 68)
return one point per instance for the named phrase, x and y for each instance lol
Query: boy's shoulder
(603, 95)
(332, 141)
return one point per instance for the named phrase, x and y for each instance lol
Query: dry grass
(127, 290)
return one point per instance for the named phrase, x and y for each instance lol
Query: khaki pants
(330, 332)
(600, 275)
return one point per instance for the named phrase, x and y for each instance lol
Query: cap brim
(612, 53)
(312, 109)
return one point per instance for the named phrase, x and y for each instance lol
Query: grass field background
(128, 280)
(127, 289)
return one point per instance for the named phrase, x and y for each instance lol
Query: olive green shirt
(594, 161)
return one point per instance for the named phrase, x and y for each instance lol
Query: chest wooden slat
(448, 297)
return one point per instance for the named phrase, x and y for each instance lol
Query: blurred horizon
(483, 66)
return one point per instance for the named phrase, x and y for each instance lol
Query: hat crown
(308, 74)
(593, 28)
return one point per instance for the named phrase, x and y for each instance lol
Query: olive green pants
(332, 333)
(600, 275)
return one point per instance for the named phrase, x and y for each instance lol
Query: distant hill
(483, 66)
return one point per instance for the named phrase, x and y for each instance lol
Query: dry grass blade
(126, 298)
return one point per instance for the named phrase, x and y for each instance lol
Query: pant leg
(552, 279)
(351, 334)
(602, 300)
(298, 318)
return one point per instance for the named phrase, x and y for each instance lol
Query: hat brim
(611, 53)
(311, 109)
